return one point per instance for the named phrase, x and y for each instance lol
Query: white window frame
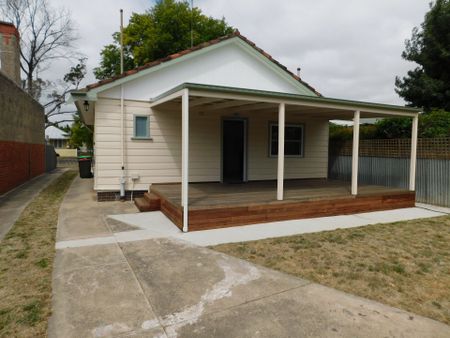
(148, 136)
(302, 141)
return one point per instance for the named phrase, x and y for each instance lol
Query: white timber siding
(229, 64)
(159, 160)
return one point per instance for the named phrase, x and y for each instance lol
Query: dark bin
(84, 165)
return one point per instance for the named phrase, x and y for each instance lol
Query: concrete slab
(118, 226)
(436, 208)
(154, 221)
(79, 258)
(310, 311)
(211, 281)
(397, 215)
(14, 202)
(81, 216)
(97, 295)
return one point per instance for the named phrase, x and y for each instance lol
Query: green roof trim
(278, 95)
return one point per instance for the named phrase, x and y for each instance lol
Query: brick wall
(19, 162)
(22, 140)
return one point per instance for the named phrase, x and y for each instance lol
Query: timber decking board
(215, 205)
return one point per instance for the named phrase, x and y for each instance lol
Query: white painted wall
(228, 64)
(159, 160)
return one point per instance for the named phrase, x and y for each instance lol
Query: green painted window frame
(140, 137)
(301, 141)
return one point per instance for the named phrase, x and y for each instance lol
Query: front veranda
(196, 206)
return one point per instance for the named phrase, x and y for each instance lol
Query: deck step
(149, 202)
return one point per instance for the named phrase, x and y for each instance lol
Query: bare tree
(46, 34)
(57, 97)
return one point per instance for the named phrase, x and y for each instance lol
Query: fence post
(413, 161)
(355, 153)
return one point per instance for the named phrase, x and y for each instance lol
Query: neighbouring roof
(53, 133)
(196, 48)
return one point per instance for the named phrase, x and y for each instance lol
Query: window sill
(288, 156)
(142, 138)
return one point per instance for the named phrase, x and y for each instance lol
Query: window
(141, 126)
(293, 140)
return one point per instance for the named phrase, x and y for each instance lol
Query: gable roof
(171, 57)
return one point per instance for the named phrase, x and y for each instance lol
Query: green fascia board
(288, 96)
(76, 95)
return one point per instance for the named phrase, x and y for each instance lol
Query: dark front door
(233, 150)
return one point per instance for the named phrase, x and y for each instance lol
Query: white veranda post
(413, 161)
(185, 157)
(355, 153)
(280, 168)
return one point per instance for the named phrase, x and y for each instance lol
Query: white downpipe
(413, 161)
(280, 169)
(185, 157)
(355, 153)
(122, 141)
(122, 115)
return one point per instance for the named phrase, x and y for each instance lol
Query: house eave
(292, 99)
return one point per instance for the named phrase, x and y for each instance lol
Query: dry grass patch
(26, 260)
(403, 264)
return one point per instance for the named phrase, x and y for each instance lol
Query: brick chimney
(10, 51)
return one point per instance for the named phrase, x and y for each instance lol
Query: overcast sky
(346, 49)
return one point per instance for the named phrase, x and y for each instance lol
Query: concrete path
(166, 287)
(148, 225)
(14, 202)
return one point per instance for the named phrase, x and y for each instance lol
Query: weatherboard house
(201, 131)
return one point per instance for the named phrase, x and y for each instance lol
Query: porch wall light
(86, 105)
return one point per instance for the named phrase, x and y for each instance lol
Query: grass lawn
(403, 264)
(26, 261)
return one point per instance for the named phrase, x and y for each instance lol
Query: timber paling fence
(386, 163)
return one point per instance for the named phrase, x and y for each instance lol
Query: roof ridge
(202, 45)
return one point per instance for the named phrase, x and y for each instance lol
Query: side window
(293, 140)
(141, 126)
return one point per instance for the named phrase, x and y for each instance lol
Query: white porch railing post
(280, 168)
(355, 152)
(185, 157)
(413, 161)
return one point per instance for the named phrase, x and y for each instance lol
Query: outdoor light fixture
(86, 105)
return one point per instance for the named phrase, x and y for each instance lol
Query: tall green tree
(168, 27)
(428, 85)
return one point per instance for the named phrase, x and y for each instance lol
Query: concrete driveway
(166, 287)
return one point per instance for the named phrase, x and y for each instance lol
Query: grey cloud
(349, 49)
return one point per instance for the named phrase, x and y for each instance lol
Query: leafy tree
(394, 127)
(79, 133)
(435, 124)
(162, 30)
(428, 85)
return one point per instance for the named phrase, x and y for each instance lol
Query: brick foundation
(19, 162)
(107, 196)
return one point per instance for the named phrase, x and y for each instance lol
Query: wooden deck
(215, 205)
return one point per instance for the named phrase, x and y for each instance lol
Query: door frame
(245, 152)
